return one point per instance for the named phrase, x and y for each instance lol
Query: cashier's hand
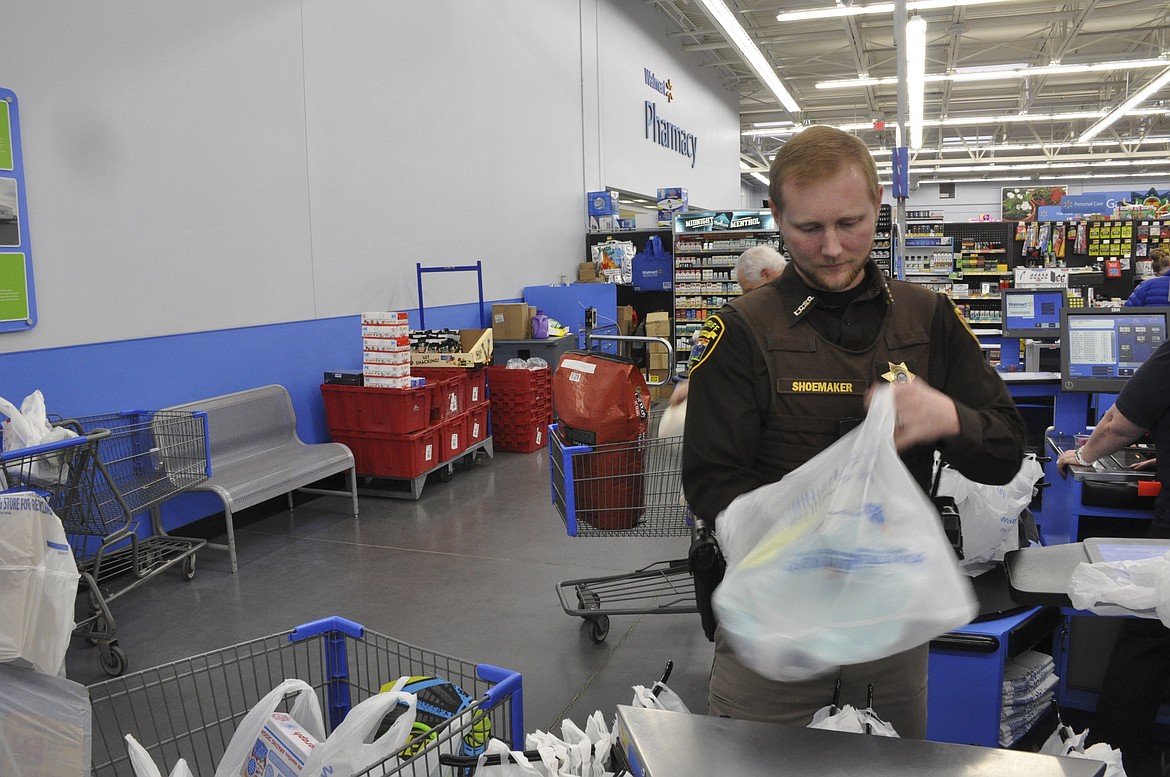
(1144, 465)
(924, 414)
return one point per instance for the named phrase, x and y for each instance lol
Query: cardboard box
(283, 743)
(671, 201)
(660, 392)
(511, 321)
(602, 203)
(658, 324)
(586, 271)
(601, 223)
(625, 319)
(477, 349)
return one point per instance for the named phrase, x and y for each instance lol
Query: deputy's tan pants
(899, 694)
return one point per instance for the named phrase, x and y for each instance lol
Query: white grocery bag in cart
(30, 426)
(842, 561)
(343, 753)
(38, 584)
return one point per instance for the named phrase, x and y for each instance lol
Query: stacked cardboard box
(658, 325)
(385, 350)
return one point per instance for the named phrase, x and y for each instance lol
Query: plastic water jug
(539, 326)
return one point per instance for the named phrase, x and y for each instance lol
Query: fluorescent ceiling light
(755, 60)
(1123, 109)
(999, 72)
(915, 73)
(876, 8)
(760, 177)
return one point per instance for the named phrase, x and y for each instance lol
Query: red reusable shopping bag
(603, 401)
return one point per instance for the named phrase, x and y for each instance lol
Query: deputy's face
(828, 228)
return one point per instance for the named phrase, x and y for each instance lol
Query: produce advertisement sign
(1022, 203)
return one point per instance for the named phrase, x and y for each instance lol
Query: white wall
(633, 37)
(222, 164)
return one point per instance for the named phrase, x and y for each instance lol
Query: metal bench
(257, 455)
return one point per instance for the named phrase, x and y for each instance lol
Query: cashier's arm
(1111, 435)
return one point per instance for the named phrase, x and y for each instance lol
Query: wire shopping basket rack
(190, 708)
(120, 466)
(627, 489)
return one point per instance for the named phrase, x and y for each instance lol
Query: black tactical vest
(818, 388)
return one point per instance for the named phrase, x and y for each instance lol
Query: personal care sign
(17, 305)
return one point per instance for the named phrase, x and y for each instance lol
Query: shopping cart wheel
(189, 567)
(113, 659)
(598, 628)
(99, 630)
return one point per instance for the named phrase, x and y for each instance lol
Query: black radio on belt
(948, 511)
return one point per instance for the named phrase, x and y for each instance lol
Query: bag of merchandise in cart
(297, 741)
(144, 765)
(46, 725)
(842, 561)
(30, 426)
(38, 584)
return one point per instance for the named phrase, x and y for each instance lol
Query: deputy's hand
(923, 414)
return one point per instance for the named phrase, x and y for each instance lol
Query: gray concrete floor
(470, 569)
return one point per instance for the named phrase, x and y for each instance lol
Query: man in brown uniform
(779, 374)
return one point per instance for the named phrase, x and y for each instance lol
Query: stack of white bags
(1029, 682)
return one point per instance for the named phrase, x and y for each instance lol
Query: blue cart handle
(57, 445)
(326, 625)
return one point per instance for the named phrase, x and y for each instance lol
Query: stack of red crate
(402, 433)
(521, 402)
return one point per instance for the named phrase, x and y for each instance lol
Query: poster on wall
(1022, 203)
(17, 301)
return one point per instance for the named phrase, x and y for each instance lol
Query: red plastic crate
(364, 409)
(449, 390)
(392, 455)
(452, 435)
(476, 387)
(477, 425)
(520, 438)
(519, 384)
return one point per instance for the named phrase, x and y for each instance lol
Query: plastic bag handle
(306, 711)
(346, 751)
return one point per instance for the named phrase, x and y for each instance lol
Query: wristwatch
(1080, 459)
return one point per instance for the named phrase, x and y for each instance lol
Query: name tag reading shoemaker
(815, 386)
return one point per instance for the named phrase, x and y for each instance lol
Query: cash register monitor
(1032, 313)
(1101, 348)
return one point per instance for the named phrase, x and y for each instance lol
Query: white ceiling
(1017, 33)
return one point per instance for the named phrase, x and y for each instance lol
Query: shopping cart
(644, 486)
(121, 466)
(190, 708)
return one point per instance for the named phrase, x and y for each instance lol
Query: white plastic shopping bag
(46, 725)
(38, 584)
(658, 697)
(1138, 587)
(144, 765)
(1066, 742)
(990, 515)
(30, 426)
(842, 561)
(346, 751)
(852, 720)
(248, 742)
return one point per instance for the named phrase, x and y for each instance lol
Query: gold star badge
(899, 373)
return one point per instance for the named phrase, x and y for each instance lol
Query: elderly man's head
(758, 265)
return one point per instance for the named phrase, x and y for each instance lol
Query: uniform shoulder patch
(959, 315)
(705, 340)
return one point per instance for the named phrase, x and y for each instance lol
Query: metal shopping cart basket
(121, 466)
(190, 708)
(636, 484)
